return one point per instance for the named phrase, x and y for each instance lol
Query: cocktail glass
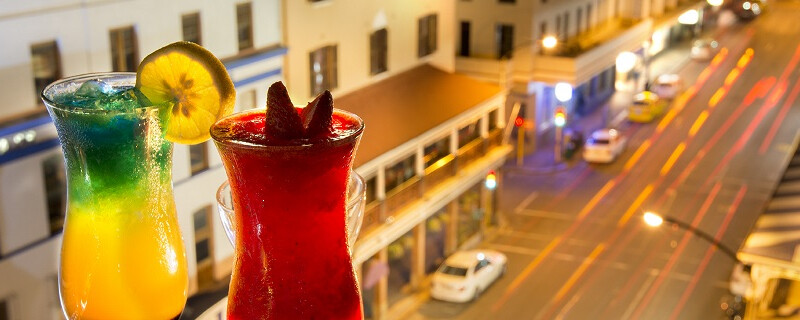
(356, 196)
(292, 259)
(122, 255)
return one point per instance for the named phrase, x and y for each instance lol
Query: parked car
(465, 274)
(646, 107)
(604, 146)
(668, 86)
(704, 49)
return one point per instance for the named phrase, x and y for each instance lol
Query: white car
(604, 146)
(465, 274)
(704, 49)
(668, 86)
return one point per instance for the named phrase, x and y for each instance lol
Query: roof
(463, 258)
(775, 239)
(404, 106)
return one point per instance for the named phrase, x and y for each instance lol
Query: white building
(47, 40)
(501, 41)
(432, 136)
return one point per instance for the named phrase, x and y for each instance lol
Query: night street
(576, 243)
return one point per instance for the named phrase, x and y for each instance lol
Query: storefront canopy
(406, 105)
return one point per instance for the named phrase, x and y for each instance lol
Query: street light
(715, 3)
(549, 42)
(655, 220)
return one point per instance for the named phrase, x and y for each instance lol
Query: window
(198, 157)
(470, 213)
(400, 172)
(579, 20)
(124, 49)
(5, 309)
(504, 35)
(436, 231)
(493, 119)
(191, 28)
(427, 35)
(55, 191)
(378, 51)
(469, 133)
(481, 264)
(202, 247)
(464, 44)
(372, 188)
(436, 151)
(566, 25)
(558, 28)
(542, 30)
(589, 16)
(322, 63)
(46, 63)
(244, 25)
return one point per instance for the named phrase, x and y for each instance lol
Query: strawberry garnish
(282, 118)
(317, 115)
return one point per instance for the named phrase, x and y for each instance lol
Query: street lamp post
(655, 220)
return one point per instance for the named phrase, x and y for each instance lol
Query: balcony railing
(439, 172)
(376, 213)
(469, 153)
(402, 195)
(495, 139)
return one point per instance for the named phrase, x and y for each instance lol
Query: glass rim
(247, 145)
(91, 76)
(353, 197)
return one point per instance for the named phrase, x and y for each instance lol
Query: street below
(576, 243)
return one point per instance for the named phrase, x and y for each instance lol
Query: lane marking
(673, 158)
(525, 272)
(597, 197)
(635, 205)
(636, 155)
(577, 274)
(698, 123)
(525, 202)
(716, 97)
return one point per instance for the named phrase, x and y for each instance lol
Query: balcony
(583, 57)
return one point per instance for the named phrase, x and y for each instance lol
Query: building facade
(45, 41)
(501, 41)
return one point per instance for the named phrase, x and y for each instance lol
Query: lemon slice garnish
(192, 83)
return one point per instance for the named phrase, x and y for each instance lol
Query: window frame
(244, 27)
(117, 48)
(379, 51)
(328, 62)
(427, 35)
(41, 83)
(203, 164)
(195, 18)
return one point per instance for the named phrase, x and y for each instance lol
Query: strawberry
(317, 115)
(282, 118)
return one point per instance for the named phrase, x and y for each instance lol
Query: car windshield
(453, 271)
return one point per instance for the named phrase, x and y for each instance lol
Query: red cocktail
(292, 259)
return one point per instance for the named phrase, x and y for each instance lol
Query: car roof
(645, 96)
(668, 78)
(464, 259)
(603, 134)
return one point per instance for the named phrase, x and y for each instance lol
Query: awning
(775, 239)
(404, 106)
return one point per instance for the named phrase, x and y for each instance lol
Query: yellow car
(646, 107)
